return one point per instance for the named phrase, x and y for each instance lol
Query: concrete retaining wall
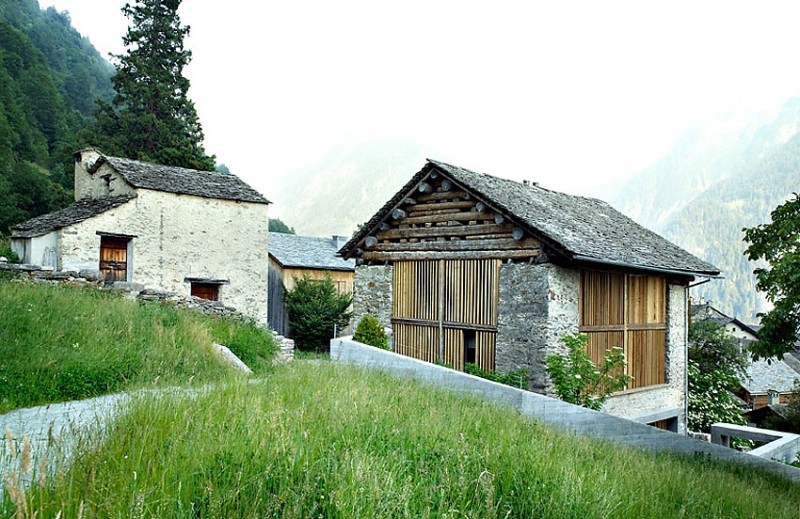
(547, 410)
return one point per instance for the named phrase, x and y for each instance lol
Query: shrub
(5, 250)
(514, 378)
(578, 380)
(315, 308)
(370, 331)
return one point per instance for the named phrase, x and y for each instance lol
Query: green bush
(370, 331)
(315, 309)
(5, 250)
(578, 380)
(514, 378)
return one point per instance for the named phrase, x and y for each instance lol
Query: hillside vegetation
(62, 343)
(710, 186)
(50, 77)
(322, 440)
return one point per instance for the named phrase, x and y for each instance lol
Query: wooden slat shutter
(436, 302)
(626, 311)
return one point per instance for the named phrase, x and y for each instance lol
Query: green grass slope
(62, 343)
(317, 439)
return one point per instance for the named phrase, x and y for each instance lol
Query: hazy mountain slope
(348, 186)
(702, 197)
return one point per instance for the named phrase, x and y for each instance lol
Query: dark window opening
(469, 346)
(668, 424)
(208, 291)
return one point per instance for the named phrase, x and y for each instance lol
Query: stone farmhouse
(292, 256)
(466, 267)
(151, 226)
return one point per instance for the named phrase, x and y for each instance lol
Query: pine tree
(151, 117)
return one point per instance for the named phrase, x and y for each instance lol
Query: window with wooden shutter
(208, 291)
(630, 312)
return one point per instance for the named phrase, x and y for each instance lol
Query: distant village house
(466, 267)
(292, 256)
(189, 232)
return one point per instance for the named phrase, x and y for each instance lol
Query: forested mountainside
(348, 186)
(709, 187)
(50, 77)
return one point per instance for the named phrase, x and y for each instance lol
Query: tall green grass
(322, 440)
(61, 343)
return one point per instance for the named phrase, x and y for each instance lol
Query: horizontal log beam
(432, 255)
(436, 206)
(432, 197)
(443, 230)
(449, 217)
(459, 245)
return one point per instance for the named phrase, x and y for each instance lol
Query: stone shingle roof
(206, 184)
(77, 212)
(307, 252)
(580, 228)
(777, 376)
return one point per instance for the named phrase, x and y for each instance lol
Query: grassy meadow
(61, 343)
(316, 439)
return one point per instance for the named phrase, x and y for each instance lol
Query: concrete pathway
(54, 425)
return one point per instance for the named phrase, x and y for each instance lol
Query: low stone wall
(554, 412)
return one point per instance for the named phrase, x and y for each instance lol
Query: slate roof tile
(206, 184)
(581, 228)
(307, 252)
(77, 212)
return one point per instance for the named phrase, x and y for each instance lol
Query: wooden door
(114, 258)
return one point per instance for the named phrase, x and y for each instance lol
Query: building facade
(466, 267)
(152, 226)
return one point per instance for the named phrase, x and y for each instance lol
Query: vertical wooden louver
(438, 303)
(626, 311)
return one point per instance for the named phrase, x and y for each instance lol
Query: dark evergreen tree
(277, 225)
(151, 117)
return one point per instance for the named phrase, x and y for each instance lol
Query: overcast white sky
(573, 94)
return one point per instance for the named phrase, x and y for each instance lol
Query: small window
(208, 291)
(469, 346)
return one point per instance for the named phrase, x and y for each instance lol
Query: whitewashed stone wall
(93, 185)
(180, 236)
(41, 250)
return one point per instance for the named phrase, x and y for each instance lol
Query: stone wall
(94, 185)
(179, 237)
(372, 293)
(522, 321)
(538, 304)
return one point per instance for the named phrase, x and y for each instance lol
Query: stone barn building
(151, 226)
(466, 267)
